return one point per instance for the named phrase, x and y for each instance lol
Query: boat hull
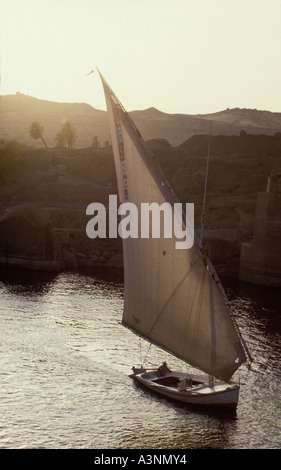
(220, 394)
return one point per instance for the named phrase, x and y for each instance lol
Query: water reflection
(67, 358)
(152, 419)
(25, 282)
(260, 301)
(30, 282)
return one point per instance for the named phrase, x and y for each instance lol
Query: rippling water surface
(65, 361)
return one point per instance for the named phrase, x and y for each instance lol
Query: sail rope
(172, 295)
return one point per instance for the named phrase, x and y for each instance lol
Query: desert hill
(18, 111)
(246, 144)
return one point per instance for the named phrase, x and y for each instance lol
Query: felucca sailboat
(173, 298)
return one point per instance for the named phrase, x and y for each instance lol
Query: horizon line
(19, 93)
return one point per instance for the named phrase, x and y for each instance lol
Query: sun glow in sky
(180, 56)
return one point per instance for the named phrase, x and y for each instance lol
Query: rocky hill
(245, 144)
(18, 111)
(246, 117)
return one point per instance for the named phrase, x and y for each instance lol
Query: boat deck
(197, 388)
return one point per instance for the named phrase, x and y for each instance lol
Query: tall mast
(210, 266)
(205, 188)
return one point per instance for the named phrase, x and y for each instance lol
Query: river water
(66, 360)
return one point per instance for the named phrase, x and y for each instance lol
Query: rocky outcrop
(223, 250)
(27, 240)
(243, 144)
(61, 183)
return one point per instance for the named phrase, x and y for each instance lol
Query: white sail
(171, 297)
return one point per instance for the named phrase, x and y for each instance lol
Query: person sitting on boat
(163, 370)
(189, 381)
(182, 384)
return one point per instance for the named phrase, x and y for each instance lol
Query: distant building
(260, 260)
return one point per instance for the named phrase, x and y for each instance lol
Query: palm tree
(36, 131)
(69, 133)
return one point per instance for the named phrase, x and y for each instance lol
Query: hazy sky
(180, 56)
